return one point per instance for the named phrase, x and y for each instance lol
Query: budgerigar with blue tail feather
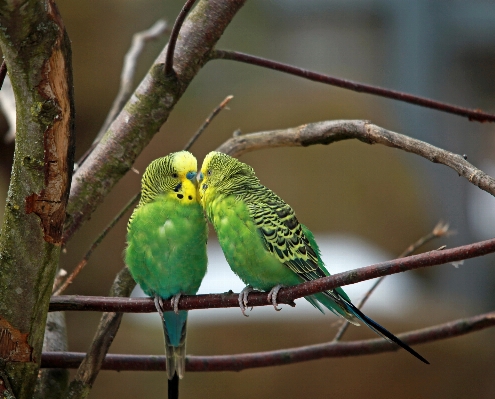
(166, 245)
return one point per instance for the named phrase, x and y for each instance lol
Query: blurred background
(365, 203)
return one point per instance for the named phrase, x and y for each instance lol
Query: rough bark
(38, 57)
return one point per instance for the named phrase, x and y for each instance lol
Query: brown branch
(147, 109)
(129, 70)
(439, 230)
(280, 357)
(285, 295)
(472, 114)
(169, 58)
(207, 122)
(328, 132)
(107, 329)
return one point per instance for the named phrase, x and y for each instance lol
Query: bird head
(173, 176)
(222, 174)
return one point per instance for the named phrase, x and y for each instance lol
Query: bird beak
(191, 176)
(200, 177)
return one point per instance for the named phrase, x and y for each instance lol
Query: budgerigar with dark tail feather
(166, 247)
(264, 243)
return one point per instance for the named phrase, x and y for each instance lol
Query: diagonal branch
(285, 295)
(472, 114)
(280, 357)
(328, 132)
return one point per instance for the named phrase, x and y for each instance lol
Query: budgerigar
(264, 243)
(166, 245)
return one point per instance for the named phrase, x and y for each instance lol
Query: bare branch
(472, 114)
(280, 357)
(328, 132)
(107, 329)
(440, 230)
(207, 122)
(285, 295)
(128, 71)
(169, 58)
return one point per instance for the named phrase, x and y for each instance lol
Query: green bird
(264, 243)
(166, 245)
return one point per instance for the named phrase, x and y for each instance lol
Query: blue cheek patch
(191, 175)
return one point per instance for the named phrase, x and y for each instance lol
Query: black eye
(209, 173)
(205, 186)
(175, 175)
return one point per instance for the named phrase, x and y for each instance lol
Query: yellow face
(186, 166)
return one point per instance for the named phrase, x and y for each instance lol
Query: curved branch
(328, 132)
(279, 357)
(285, 295)
(472, 114)
(169, 58)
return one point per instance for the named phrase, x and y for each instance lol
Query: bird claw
(243, 299)
(272, 296)
(159, 305)
(175, 303)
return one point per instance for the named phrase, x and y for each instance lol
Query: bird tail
(174, 327)
(353, 314)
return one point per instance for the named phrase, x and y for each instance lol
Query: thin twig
(169, 58)
(280, 357)
(129, 69)
(3, 73)
(285, 295)
(95, 244)
(472, 114)
(207, 122)
(440, 230)
(328, 132)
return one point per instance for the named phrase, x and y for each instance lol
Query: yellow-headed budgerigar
(166, 245)
(264, 243)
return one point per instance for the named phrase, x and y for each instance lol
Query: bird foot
(243, 299)
(175, 303)
(272, 296)
(159, 305)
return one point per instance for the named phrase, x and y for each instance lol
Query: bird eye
(209, 172)
(175, 175)
(205, 186)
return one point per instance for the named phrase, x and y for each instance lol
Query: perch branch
(472, 114)
(439, 230)
(285, 295)
(280, 357)
(328, 132)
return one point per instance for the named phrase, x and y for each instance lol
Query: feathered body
(166, 251)
(263, 242)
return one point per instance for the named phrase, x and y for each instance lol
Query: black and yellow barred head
(225, 174)
(169, 175)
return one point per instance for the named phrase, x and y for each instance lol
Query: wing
(282, 234)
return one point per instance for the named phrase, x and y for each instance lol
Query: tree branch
(285, 295)
(40, 71)
(148, 108)
(472, 114)
(169, 58)
(280, 357)
(107, 329)
(328, 132)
